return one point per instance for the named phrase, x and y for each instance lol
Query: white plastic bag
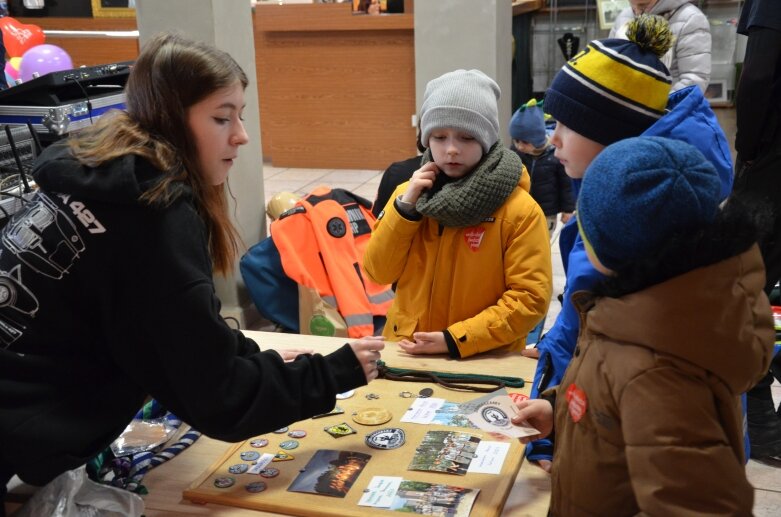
(73, 494)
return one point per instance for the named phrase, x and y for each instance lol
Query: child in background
(550, 185)
(650, 404)
(627, 95)
(463, 239)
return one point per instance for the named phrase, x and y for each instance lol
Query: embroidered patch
(336, 227)
(340, 430)
(391, 438)
(576, 402)
(474, 236)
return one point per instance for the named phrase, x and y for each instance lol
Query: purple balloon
(43, 59)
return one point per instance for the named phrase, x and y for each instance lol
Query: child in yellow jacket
(463, 239)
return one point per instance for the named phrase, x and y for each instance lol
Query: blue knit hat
(640, 191)
(528, 124)
(615, 88)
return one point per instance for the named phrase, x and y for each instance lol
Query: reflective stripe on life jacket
(321, 242)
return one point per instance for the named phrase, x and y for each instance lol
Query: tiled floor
(765, 476)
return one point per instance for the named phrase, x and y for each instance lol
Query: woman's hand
(537, 413)
(425, 343)
(422, 179)
(367, 351)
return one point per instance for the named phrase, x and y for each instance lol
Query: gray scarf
(469, 200)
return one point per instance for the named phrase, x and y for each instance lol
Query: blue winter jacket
(690, 119)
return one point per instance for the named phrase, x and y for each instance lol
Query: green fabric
(510, 382)
(467, 201)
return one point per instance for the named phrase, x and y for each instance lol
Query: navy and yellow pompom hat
(615, 88)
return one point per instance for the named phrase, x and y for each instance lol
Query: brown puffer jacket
(655, 388)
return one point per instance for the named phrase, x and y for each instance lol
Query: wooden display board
(494, 488)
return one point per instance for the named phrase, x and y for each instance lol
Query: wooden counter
(337, 90)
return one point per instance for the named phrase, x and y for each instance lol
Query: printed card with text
(493, 413)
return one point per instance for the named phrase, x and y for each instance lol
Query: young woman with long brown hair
(106, 291)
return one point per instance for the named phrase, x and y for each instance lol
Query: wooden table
(529, 495)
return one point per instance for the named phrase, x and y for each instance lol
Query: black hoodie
(105, 300)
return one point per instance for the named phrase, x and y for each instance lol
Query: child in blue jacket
(628, 96)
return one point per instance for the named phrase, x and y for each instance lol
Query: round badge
(425, 393)
(239, 468)
(224, 482)
(269, 472)
(391, 438)
(281, 430)
(249, 455)
(258, 443)
(372, 416)
(297, 433)
(345, 395)
(289, 445)
(256, 486)
(319, 325)
(336, 227)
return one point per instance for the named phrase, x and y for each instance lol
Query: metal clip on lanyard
(452, 381)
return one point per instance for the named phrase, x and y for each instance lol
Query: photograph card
(330, 473)
(449, 452)
(418, 497)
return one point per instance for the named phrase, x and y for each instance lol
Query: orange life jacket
(321, 242)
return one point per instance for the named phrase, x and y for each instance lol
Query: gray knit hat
(465, 100)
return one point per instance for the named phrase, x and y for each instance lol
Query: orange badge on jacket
(576, 402)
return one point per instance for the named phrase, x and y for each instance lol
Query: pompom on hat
(528, 124)
(465, 100)
(639, 192)
(615, 88)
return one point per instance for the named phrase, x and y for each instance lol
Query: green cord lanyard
(455, 381)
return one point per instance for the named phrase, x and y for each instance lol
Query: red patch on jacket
(474, 236)
(576, 402)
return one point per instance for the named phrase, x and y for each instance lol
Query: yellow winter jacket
(488, 284)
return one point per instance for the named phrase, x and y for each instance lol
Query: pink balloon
(11, 72)
(43, 59)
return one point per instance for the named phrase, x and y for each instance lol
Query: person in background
(550, 185)
(463, 239)
(689, 59)
(111, 263)
(627, 96)
(651, 401)
(758, 181)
